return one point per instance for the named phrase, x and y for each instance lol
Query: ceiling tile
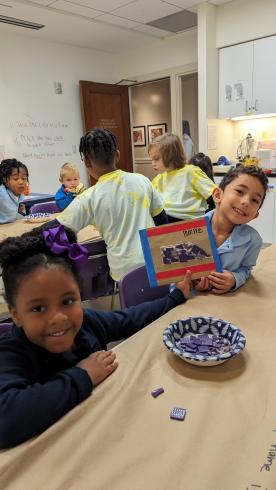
(103, 5)
(75, 9)
(152, 31)
(118, 21)
(145, 11)
(43, 2)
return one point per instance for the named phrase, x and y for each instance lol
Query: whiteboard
(43, 130)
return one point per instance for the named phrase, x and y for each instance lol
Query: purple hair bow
(57, 241)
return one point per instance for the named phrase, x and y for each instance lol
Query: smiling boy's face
(48, 308)
(240, 201)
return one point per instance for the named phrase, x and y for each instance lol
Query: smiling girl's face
(48, 307)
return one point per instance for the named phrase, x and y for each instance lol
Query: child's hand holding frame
(217, 282)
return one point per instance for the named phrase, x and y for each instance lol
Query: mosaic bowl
(204, 340)
(38, 217)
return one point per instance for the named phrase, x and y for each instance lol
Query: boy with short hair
(238, 199)
(118, 205)
(71, 185)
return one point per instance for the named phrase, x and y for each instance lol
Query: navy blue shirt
(38, 387)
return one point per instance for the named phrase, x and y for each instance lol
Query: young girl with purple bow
(56, 352)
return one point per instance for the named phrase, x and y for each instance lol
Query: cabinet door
(235, 80)
(264, 76)
(264, 224)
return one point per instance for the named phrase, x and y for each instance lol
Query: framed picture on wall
(155, 130)
(139, 135)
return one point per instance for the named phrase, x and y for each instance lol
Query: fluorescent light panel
(21, 23)
(257, 116)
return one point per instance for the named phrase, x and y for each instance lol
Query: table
(121, 438)
(20, 226)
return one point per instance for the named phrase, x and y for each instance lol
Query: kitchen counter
(220, 171)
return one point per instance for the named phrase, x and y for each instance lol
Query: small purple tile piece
(178, 413)
(157, 391)
(203, 349)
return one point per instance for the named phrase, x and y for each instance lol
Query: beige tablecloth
(20, 226)
(123, 439)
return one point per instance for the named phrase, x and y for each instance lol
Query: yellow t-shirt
(119, 205)
(184, 191)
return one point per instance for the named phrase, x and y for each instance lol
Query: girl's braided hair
(99, 145)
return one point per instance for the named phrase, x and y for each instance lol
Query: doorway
(170, 99)
(189, 98)
(151, 114)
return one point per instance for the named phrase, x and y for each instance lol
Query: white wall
(244, 20)
(161, 55)
(207, 70)
(150, 105)
(36, 122)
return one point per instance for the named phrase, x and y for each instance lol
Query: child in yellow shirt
(184, 188)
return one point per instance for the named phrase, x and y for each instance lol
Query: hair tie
(57, 241)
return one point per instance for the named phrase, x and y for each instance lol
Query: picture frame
(139, 135)
(155, 130)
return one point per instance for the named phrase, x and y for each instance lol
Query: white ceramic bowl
(187, 338)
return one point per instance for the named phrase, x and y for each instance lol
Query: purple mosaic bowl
(204, 341)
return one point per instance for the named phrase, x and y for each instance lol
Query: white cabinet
(247, 78)
(235, 80)
(264, 76)
(264, 223)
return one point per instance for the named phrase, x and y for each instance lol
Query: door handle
(256, 104)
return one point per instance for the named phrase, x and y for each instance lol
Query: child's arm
(160, 219)
(28, 408)
(8, 208)
(79, 214)
(118, 325)
(201, 182)
(248, 258)
(221, 282)
(157, 211)
(99, 365)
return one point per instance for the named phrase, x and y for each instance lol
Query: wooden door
(106, 106)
